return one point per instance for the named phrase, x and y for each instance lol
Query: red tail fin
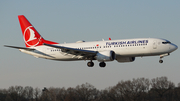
(31, 36)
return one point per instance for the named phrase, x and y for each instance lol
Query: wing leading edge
(74, 51)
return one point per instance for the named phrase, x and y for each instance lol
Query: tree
(3, 94)
(111, 94)
(71, 95)
(86, 92)
(132, 90)
(177, 93)
(160, 86)
(28, 91)
(62, 93)
(37, 94)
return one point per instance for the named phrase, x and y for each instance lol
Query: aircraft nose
(173, 47)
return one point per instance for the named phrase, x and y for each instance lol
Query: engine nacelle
(107, 55)
(125, 59)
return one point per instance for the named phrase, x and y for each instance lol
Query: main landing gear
(102, 64)
(91, 64)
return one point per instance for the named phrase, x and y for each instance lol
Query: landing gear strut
(102, 64)
(90, 64)
(161, 56)
(160, 60)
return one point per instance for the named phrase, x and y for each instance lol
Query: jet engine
(125, 59)
(107, 55)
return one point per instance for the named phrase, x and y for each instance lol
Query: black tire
(90, 64)
(102, 64)
(160, 61)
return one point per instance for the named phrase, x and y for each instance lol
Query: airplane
(124, 50)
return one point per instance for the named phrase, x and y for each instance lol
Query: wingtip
(5, 45)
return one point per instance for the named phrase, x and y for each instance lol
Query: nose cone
(173, 47)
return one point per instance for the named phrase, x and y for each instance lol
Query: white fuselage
(122, 48)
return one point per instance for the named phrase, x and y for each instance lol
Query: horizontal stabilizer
(19, 47)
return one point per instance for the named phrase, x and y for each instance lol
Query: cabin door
(154, 44)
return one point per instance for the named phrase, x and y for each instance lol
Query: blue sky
(69, 21)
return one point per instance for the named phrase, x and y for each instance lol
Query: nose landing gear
(160, 61)
(161, 56)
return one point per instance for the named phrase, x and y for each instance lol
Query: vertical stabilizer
(31, 37)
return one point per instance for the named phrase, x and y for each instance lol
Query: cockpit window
(166, 42)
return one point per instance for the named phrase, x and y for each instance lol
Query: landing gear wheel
(102, 64)
(160, 61)
(90, 64)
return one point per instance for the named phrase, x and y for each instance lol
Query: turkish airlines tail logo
(31, 37)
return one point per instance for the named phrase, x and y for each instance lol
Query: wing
(19, 47)
(74, 51)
